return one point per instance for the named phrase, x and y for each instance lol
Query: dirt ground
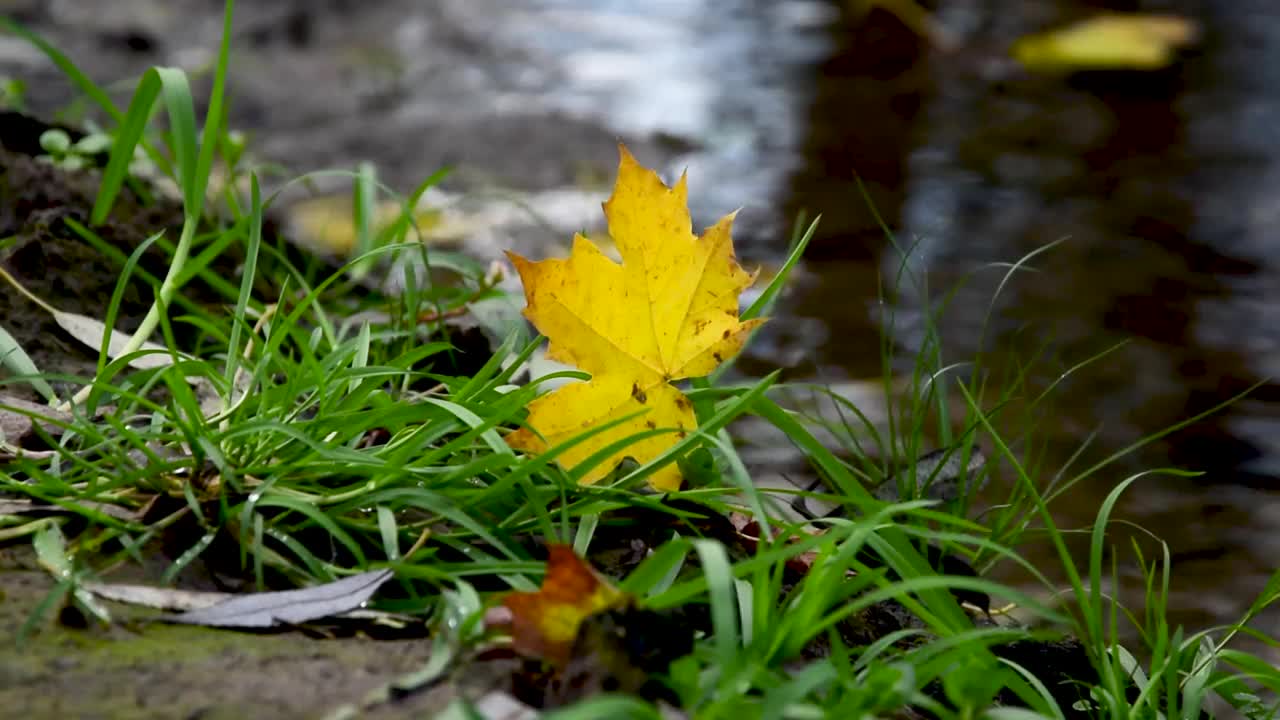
(145, 670)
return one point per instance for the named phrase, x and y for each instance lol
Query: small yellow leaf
(326, 224)
(668, 311)
(1108, 42)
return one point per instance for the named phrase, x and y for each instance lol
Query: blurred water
(730, 77)
(1163, 189)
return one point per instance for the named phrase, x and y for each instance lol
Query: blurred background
(979, 130)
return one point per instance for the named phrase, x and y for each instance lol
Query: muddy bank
(135, 669)
(44, 210)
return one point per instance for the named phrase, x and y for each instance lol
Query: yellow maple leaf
(669, 311)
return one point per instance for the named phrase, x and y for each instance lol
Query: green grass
(300, 446)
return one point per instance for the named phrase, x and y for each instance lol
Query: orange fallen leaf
(545, 623)
(668, 311)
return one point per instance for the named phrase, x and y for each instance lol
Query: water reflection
(1160, 186)
(728, 77)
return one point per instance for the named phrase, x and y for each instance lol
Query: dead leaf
(177, 600)
(287, 607)
(18, 506)
(544, 624)
(90, 332)
(669, 311)
(326, 224)
(18, 418)
(1114, 41)
(15, 507)
(10, 452)
(748, 530)
(157, 598)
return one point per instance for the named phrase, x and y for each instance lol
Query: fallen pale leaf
(157, 598)
(17, 506)
(18, 418)
(90, 332)
(288, 607)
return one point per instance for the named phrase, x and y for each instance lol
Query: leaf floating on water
(1115, 41)
(669, 311)
(288, 607)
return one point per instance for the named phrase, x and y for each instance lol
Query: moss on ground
(146, 670)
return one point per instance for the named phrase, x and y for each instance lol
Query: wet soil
(134, 669)
(43, 210)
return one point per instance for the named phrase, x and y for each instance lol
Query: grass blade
(13, 357)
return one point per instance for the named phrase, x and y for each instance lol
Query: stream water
(1163, 190)
(1163, 187)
